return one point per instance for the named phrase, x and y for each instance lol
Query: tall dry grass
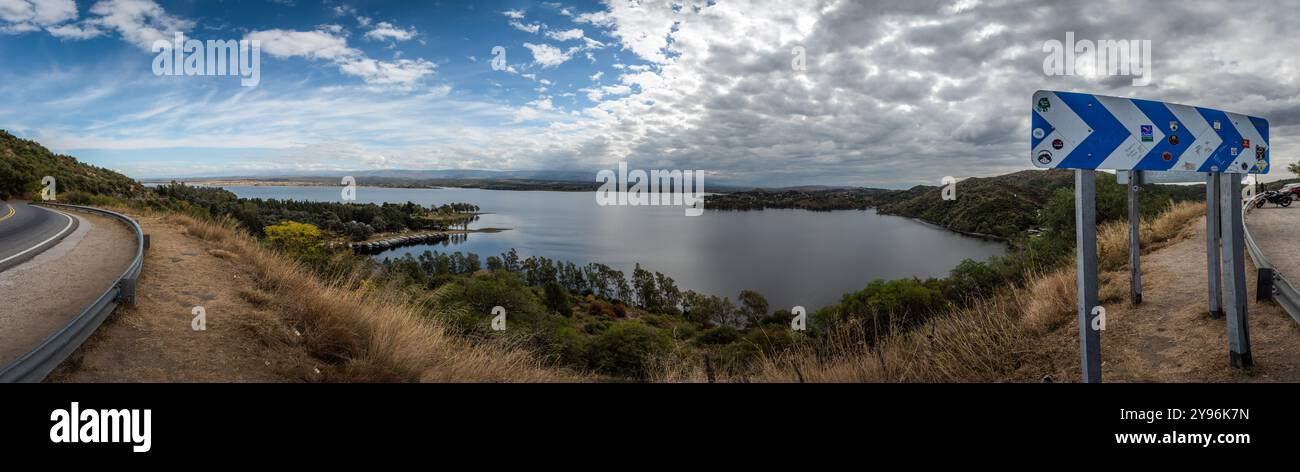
(370, 333)
(981, 343)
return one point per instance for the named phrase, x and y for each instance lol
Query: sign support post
(1149, 141)
(1085, 222)
(1234, 272)
(1134, 240)
(1212, 225)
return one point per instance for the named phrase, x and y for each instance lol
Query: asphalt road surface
(23, 227)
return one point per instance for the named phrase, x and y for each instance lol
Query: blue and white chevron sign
(1082, 131)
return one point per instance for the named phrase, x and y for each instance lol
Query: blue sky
(97, 98)
(890, 93)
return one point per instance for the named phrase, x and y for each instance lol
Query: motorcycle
(1274, 197)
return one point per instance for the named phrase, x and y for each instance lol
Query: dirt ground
(46, 292)
(155, 342)
(1171, 337)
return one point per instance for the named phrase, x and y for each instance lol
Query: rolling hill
(23, 163)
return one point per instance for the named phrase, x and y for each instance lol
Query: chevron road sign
(1083, 131)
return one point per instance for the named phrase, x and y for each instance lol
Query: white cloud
(22, 16)
(384, 30)
(533, 28)
(549, 56)
(567, 35)
(318, 44)
(139, 22)
(324, 44)
(516, 14)
(402, 72)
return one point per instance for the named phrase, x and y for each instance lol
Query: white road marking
(42, 243)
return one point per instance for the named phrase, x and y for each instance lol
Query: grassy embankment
(371, 333)
(981, 343)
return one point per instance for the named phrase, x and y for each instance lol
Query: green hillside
(24, 162)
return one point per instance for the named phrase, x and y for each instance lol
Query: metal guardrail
(36, 364)
(1270, 282)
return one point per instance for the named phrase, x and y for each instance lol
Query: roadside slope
(154, 341)
(271, 320)
(1171, 337)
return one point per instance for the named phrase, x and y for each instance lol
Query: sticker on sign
(1071, 130)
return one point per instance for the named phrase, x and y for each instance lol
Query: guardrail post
(1234, 273)
(1134, 239)
(1212, 264)
(1085, 222)
(1264, 285)
(126, 291)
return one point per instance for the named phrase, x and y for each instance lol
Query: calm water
(793, 257)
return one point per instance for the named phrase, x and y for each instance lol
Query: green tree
(886, 305)
(753, 307)
(1294, 168)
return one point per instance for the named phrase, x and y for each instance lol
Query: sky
(832, 92)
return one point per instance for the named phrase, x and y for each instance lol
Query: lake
(792, 257)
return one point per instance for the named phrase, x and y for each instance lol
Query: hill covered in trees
(1006, 206)
(23, 163)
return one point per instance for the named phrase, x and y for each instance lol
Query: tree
(647, 294)
(702, 308)
(669, 295)
(753, 307)
(1294, 168)
(883, 305)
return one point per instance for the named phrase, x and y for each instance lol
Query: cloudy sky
(893, 93)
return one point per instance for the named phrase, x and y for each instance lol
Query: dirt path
(154, 342)
(44, 293)
(1171, 337)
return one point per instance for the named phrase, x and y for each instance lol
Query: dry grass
(370, 334)
(983, 343)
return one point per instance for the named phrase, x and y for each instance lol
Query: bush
(719, 335)
(624, 349)
(565, 344)
(557, 299)
(299, 240)
(358, 231)
(504, 289)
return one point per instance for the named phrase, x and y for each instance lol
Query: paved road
(1277, 232)
(23, 227)
(40, 295)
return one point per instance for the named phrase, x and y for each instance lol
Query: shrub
(358, 231)
(502, 289)
(557, 299)
(299, 240)
(719, 335)
(624, 349)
